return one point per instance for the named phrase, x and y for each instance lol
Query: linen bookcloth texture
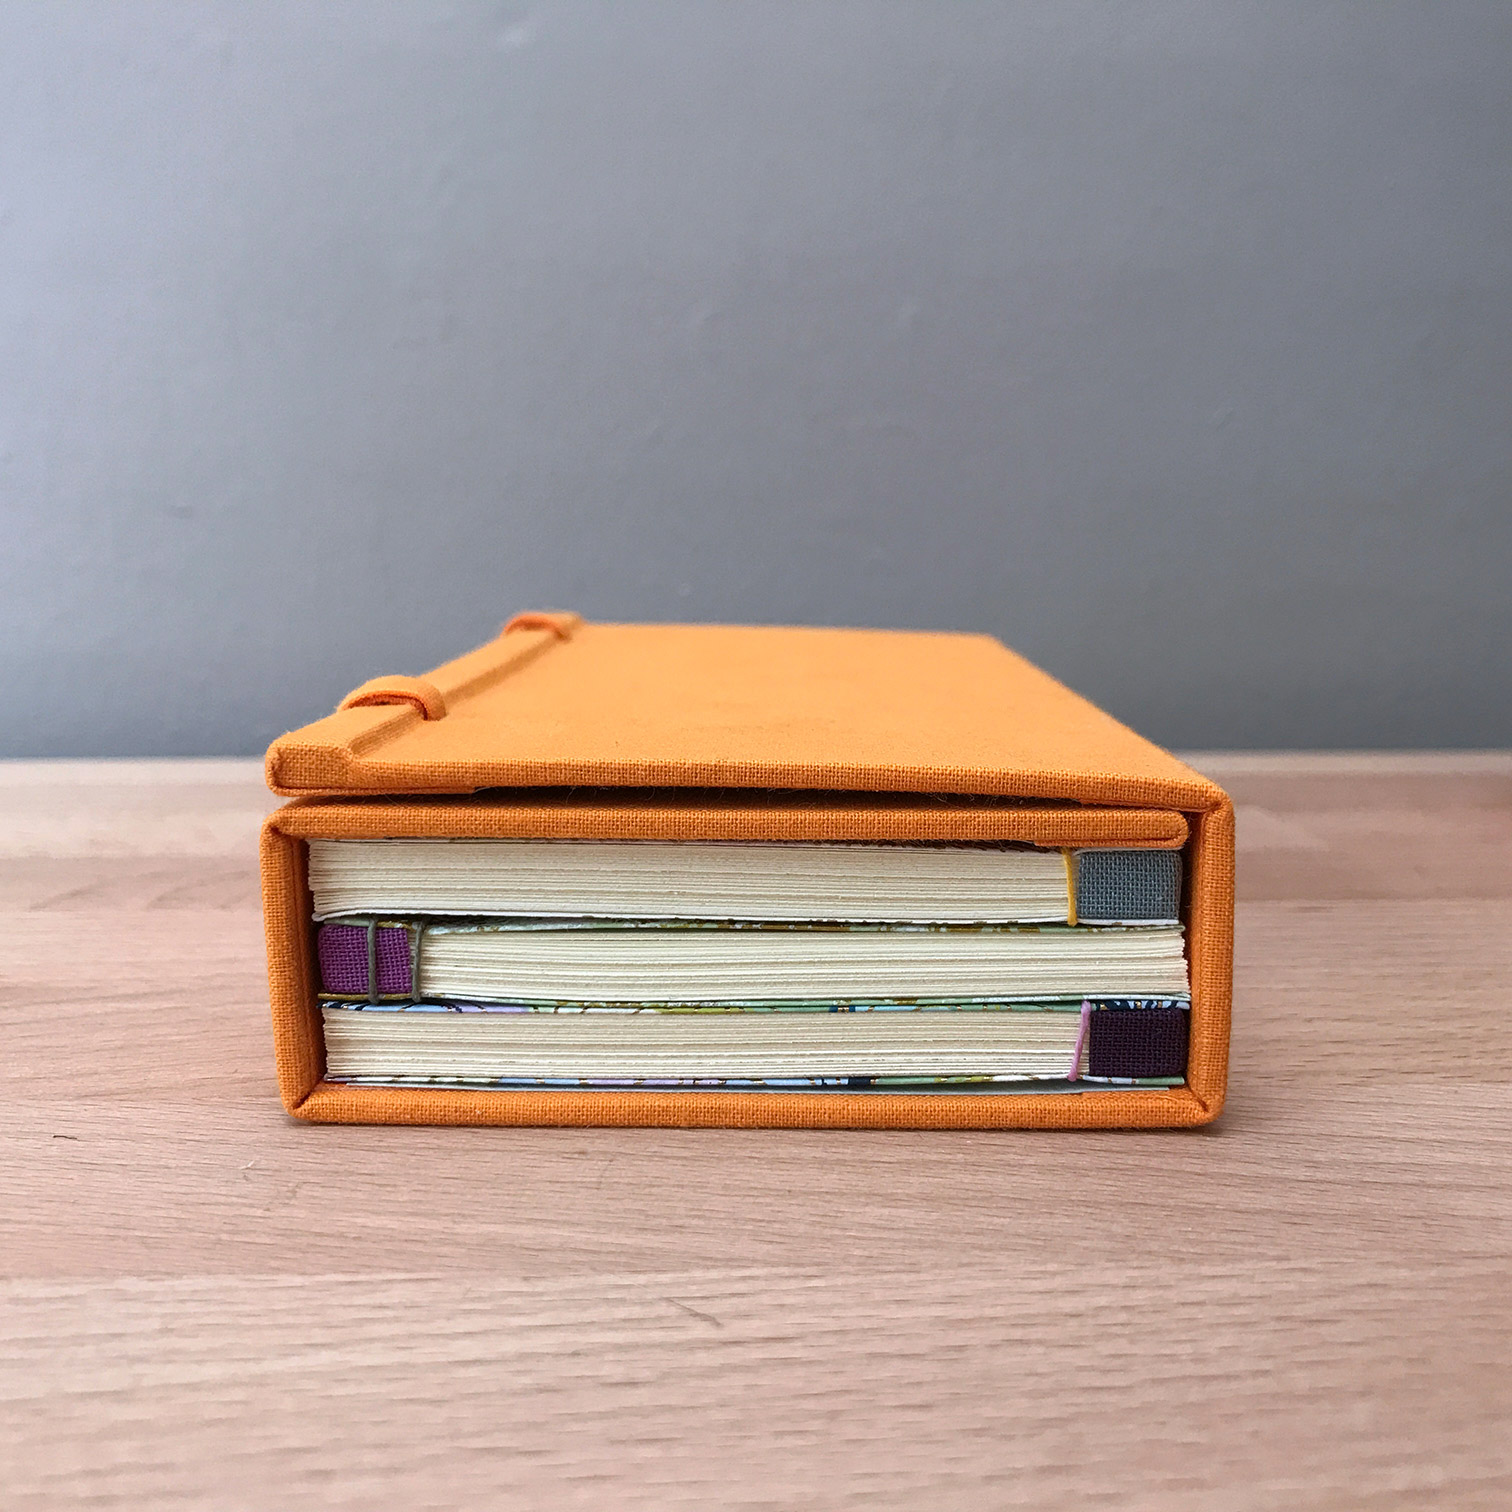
(564, 730)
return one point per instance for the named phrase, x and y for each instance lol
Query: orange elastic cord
(1069, 857)
(561, 623)
(421, 695)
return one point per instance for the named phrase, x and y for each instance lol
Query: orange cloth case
(558, 729)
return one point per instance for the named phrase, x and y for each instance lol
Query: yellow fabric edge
(633, 815)
(1173, 1107)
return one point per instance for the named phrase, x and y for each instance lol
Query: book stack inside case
(763, 965)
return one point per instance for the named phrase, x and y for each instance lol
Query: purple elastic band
(1081, 1041)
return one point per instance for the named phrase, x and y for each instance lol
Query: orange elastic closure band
(424, 696)
(560, 623)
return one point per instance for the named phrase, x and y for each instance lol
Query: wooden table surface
(1308, 1305)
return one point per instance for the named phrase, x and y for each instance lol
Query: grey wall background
(1171, 342)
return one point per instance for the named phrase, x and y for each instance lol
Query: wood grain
(205, 1305)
